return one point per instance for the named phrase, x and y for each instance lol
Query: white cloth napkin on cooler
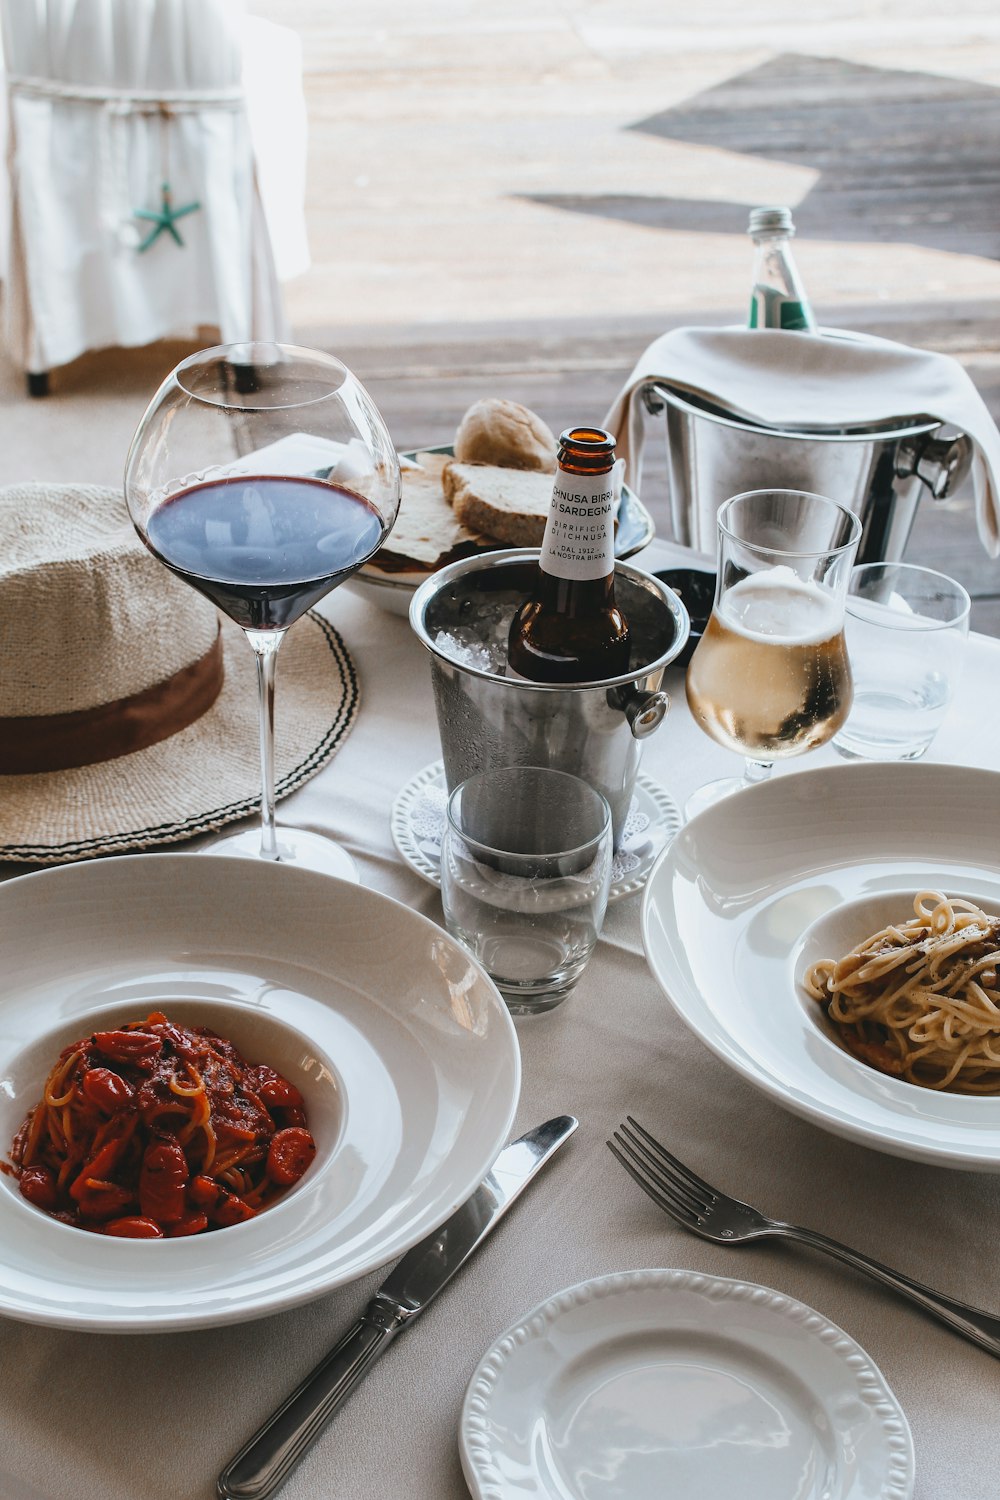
(781, 379)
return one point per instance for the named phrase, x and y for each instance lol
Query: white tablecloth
(89, 1417)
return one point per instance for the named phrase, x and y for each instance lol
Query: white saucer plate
(671, 1385)
(418, 819)
(754, 890)
(402, 1048)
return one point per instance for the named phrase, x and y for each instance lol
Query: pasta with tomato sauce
(158, 1130)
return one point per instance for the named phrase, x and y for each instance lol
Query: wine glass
(263, 476)
(770, 676)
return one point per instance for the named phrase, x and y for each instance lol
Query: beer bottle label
(580, 528)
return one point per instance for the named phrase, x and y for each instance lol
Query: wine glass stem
(755, 771)
(265, 645)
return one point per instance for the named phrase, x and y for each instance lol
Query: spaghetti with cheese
(921, 1000)
(158, 1130)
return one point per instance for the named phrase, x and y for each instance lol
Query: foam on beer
(777, 606)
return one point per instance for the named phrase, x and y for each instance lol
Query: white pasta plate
(754, 890)
(401, 1046)
(663, 1384)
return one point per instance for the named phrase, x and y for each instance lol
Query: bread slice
(427, 533)
(508, 504)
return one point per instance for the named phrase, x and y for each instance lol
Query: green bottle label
(771, 309)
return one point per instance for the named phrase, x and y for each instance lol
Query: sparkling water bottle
(778, 299)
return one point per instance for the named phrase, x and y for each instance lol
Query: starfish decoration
(163, 218)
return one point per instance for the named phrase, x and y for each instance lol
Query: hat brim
(206, 776)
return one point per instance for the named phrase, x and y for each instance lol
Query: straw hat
(128, 718)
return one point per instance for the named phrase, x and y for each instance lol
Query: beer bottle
(777, 300)
(570, 629)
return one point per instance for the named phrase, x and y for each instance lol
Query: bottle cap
(770, 220)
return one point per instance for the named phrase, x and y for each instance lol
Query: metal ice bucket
(596, 731)
(879, 471)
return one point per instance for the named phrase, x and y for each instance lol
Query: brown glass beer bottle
(570, 629)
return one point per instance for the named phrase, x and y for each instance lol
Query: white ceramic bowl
(402, 1047)
(758, 887)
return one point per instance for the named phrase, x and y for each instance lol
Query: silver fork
(725, 1221)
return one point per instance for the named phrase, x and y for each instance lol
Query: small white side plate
(418, 817)
(670, 1385)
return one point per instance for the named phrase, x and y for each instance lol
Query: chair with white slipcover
(139, 135)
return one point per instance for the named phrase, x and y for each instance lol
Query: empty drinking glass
(525, 873)
(906, 629)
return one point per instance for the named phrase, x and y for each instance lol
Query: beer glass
(770, 677)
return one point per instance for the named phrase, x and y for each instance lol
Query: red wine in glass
(297, 486)
(264, 549)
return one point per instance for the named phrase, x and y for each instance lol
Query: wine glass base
(711, 793)
(296, 846)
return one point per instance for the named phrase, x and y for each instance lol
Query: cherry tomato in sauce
(97, 1171)
(204, 1191)
(162, 1180)
(289, 1154)
(232, 1210)
(277, 1091)
(126, 1046)
(133, 1227)
(39, 1187)
(290, 1116)
(107, 1091)
(101, 1200)
(192, 1223)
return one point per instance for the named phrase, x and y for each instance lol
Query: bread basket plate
(393, 591)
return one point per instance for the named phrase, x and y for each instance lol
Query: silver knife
(265, 1462)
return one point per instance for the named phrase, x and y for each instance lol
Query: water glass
(525, 873)
(906, 629)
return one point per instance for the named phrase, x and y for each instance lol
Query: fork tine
(698, 1183)
(651, 1181)
(660, 1173)
(652, 1190)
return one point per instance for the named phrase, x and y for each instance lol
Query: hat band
(61, 742)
